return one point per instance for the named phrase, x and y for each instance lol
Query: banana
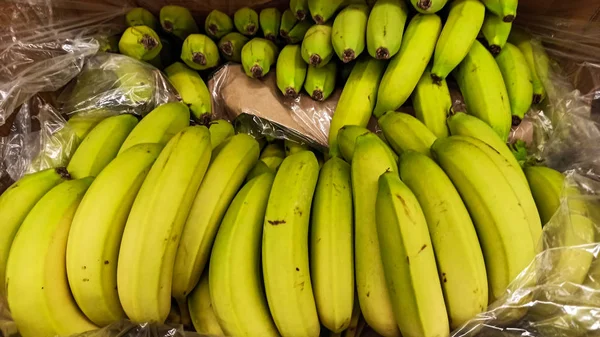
(408, 261)
(231, 162)
(460, 31)
(260, 168)
(140, 16)
(270, 20)
(484, 91)
(220, 130)
(96, 231)
(320, 82)
(200, 52)
(407, 66)
(546, 186)
(323, 10)
(37, 289)
(297, 33)
(385, 28)
(136, 83)
(218, 24)
(505, 9)
(292, 147)
(332, 262)
(517, 78)
(317, 49)
(201, 309)
(347, 141)
(100, 146)
(500, 221)
(354, 321)
(288, 21)
(246, 21)
(525, 43)
(285, 246)
(404, 132)
(357, 99)
(273, 150)
(432, 104)
(496, 32)
(192, 89)
(459, 258)
(348, 32)
(428, 6)
(237, 293)
(299, 8)
(155, 224)
(140, 42)
(231, 46)
(159, 126)
(290, 71)
(178, 21)
(258, 55)
(82, 123)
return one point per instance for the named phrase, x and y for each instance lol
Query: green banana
(159, 126)
(231, 46)
(97, 229)
(258, 55)
(246, 21)
(317, 49)
(517, 78)
(348, 32)
(483, 89)
(38, 295)
(192, 89)
(260, 168)
(270, 20)
(297, 33)
(237, 294)
(218, 24)
(299, 8)
(428, 6)
(546, 186)
(288, 21)
(525, 43)
(331, 242)
(292, 147)
(82, 122)
(200, 52)
(404, 132)
(408, 261)
(323, 10)
(220, 130)
(140, 42)
(136, 82)
(140, 16)
(407, 66)
(357, 99)
(201, 309)
(285, 246)
(496, 32)
(385, 28)
(320, 82)
(505, 9)
(178, 21)
(101, 145)
(290, 71)
(275, 149)
(432, 103)
(460, 31)
(347, 141)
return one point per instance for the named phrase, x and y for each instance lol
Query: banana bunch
(258, 55)
(270, 20)
(290, 70)
(246, 21)
(178, 21)
(192, 89)
(231, 46)
(317, 48)
(348, 32)
(385, 28)
(200, 52)
(320, 82)
(218, 24)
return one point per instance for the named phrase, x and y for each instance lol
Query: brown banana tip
(537, 98)
(270, 37)
(213, 29)
(227, 48)
(283, 33)
(315, 59)
(516, 120)
(495, 49)
(317, 95)
(251, 29)
(436, 79)
(149, 42)
(204, 120)
(348, 55)
(318, 19)
(300, 15)
(168, 26)
(424, 4)
(508, 18)
(257, 71)
(62, 171)
(290, 92)
(199, 58)
(382, 53)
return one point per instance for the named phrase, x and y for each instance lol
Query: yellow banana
(192, 89)
(246, 21)
(297, 33)
(140, 42)
(517, 78)
(201, 309)
(428, 6)
(288, 21)
(218, 24)
(178, 21)
(258, 55)
(385, 28)
(275, 149)
(231, 46)
(292, 147)
(496, 32)
(299, 8)
(200, 52)
(259, 169)
(506, 9)
(432, 103)
(348, 32)
(290, 71)
(323, 10)
(140, 16)
(347, 141)
(525, 43)
(317, 49)
(406, 67)
(404, 132)
(353, 327)
(270, 20)
(546, 186)
(285, 247)
(220, 130)
(83, 123)
(320, 82)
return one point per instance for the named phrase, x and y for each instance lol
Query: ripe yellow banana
(155, 224)
(140, 16)
(432, 103)
(517, 78)
(320, 82)
(96, 231)
(270, 20)
(501, 222)
(331, 246)
(288, 21)
(299, 8)
(235, 278)
(218, 24)
(37, 289)
(290, 70)
(297, 33)
(483, 89)
(258, 55)
(385, 28)
(159, 126)
(140, 42)
(428, 6)
(404, 132)
(178, 21)
(220, 130)
(525, 43)
(200, 52)
(460, 31)
(459, 258)
(323, 10)
(406, 67)
(496, 32)
(348, 32)
(506, 9)
(201, 309)
(231, 46)
(246, 21)
(192, 89)
(285, 247)
(370, 160)
(357, 99)
(317, 49)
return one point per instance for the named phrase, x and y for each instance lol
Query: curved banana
(317, 49)
(432, 103)
(218, 24)
(288, 21)
(270, 20)
(231, 46)
(38, 295)
(290, 70)
(320, 82)
(192, 89)
(140, 16)
(285, 246)
(517, 79)
(496, 32)
(348, 32)
(200, 52)
(140, 43)
(406, 67)
(323, 10)
(201, 309)
(237, 293)
(95, 235)
(524, 42)
(385, 28)
(404, 132)
(347, 141)
(299, 8)
(505, 9)
(297, 33)
(258, 55)
(178, 21)
(546, 186)
(428, 6)
(246, 21)
(220, 130)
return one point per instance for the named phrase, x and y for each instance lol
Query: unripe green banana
(317, 49)
(140, 42)
(200, 52)
(546, 186)
(320, 82)
(460, 31)
(299, 8)
(141, 17)
(428, 6)
(525, 42)
(323, 10)
(288, 21)
(297, 33)
(218, 24)
(290, 70)
(496, 32)
(348, 32)
(517, 78)
(404, 132)
(178, 21)
(505, 9)
(270, 20)
(432, 103)
(385, 28)
(246, 21)
(192, 89)
(220, 130)
(292, 147)
(407, 66)
(258, 55)
(231, 46)
(201, 309)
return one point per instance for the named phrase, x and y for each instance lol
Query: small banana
(317, 49)
(432, 103)
(525, 43)
(517, 78)
(297, 33)
(460, 31)
(290, 70)
(246, 21)
(505, 9)
(258, 55)
(100, 146)
(320, 82)
(348, 32)
(323, 10)
(292, 147)
(178, 21)
(231, 46)
(299, 8)
(407, 66)
(288, 21)
(385, 28)
(220, 130)
(192, 89)
(270, 21)
(404, 132)
(428, 6)
(218, 24)
(200, 52)
(496, 32)
(140, 16)
(140, 42)
(201, 309)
